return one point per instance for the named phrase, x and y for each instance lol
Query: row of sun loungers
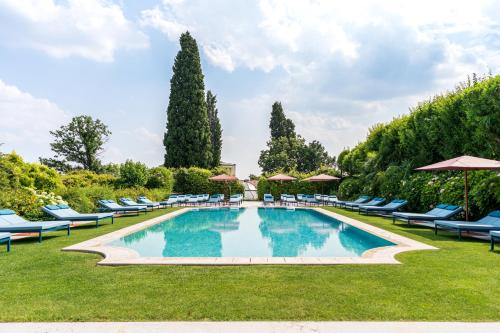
(437, 218)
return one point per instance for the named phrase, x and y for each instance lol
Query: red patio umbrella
(464, 163)
(321, 178)
(224, 178)
(280, 177)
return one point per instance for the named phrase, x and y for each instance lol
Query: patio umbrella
(280, 177)
(224, 178)
(464, 163)
(321, 179)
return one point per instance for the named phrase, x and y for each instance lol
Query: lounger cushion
(466, 225)
(4, 235)
(495, 213)
(495, 233)
(53, 207)
(6, 212)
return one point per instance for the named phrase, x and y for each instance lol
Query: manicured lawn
(461, 281)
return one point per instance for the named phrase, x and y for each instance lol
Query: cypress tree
(280, 126)
(215, 128)
(187, 139)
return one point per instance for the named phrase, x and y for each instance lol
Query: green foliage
(215, 128)
(296, 187)
(288, 151)
(288, 154)
(133, 174)
(84, 178)
(161, 177)
(279, 124)
(15, 173)
(27, 202)
(463, 122)
(187, 139)
(80, 142)
(195, 181)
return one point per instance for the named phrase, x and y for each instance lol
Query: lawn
(461, 281)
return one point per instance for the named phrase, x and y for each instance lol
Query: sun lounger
(388, 209)
(332, 200)
(13, 223)
(5, 238)
(268, 199)
(490, 222)
(311, 200)
(235, 199)
(64, 212)
(144, 200)
(361, 200)
(372, 202)
(495, 236)
(111, 206)
(442, 211)
(290, 199)
(215, 199)
(130, 202)
(171, 201)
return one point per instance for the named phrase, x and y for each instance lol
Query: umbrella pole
(466, 198)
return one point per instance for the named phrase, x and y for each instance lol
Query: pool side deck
(116, 256)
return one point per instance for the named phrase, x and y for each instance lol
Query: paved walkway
(252, 327)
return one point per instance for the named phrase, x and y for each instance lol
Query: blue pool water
(251, 232)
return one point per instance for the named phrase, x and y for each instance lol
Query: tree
(282, 154)
(312, 157)
(187, 139)
(215, 128)
(280, 125)
(133, 174)
(80, 142)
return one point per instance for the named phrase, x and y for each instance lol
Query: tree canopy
(288, 151)
(187, 138)
(80, 142)
(215, 128)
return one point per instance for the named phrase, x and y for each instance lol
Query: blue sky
(338, 67)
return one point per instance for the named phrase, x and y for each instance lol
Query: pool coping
(118, 256)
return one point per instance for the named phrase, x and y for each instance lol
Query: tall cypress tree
(187, 139)
(280, 126)
(215, 128)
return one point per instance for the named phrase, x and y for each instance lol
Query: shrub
(350, 188)
(84, 178)
(28, 202)
(14, 173)
(161, 177)
(193, 180)
(133, 174)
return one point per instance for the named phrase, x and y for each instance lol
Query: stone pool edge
(119, 256)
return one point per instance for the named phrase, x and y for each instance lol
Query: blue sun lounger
(495, 236)
(235, 199)
(130, 202)
(144, 200)
(372, 202)
(215, 199)
(442, 211)
(268, 199)
(5, 238)
(111, 206)
(388, 209)
(490, 222)
(64, 212)
(13, 223)
(361, 200)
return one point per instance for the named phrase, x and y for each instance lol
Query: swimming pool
(251, 232)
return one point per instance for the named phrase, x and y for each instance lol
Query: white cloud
(26, 121)
(92, 29)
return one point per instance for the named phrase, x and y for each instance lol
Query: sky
(338, 67)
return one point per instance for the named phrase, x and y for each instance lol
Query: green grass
(461, 281)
